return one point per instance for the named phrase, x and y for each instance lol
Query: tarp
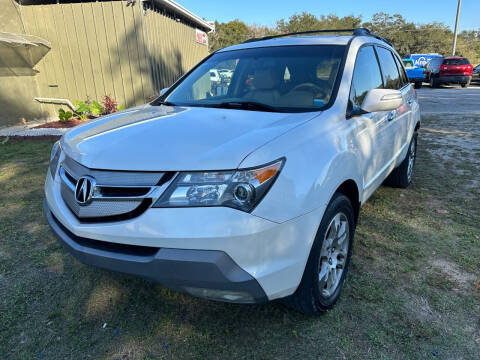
(19, 53)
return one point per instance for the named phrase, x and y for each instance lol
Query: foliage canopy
(407, 37)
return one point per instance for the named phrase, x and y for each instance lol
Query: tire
(402, 176)
(433, 82)
(417, 85)
(316, 295)
(464, 85)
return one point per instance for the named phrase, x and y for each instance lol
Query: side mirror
(382, 100)
(163, 91)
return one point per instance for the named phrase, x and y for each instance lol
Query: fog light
(221, 295)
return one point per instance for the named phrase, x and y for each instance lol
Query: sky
(267, 12)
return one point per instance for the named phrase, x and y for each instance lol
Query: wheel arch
(349, 188)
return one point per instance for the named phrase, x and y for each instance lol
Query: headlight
(54, 157)
(240, 189)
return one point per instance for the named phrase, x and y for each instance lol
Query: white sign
(201, 37)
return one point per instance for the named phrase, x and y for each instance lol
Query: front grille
(98, 207)
(116, 195)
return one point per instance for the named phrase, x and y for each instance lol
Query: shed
(126, 49)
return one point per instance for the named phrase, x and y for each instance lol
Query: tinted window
(366, 75)
(286, 78)
(408, 64)
(456, 62)
(391, 77)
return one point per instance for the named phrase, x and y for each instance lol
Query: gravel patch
(25, 131)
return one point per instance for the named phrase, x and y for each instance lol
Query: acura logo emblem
(84, 190)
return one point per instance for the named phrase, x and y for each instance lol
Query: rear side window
(401, 70)
(366, 75)
(391, 77)
(456, 62)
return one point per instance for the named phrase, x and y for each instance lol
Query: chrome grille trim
(98, 208)
(105, 203)
(112, 177)
(97, 192)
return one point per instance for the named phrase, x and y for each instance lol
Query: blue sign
(420, 60)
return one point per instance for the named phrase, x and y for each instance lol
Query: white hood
(166, 138)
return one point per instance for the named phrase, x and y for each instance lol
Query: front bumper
(193, 271)
(227, 242)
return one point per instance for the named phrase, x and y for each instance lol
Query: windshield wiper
(166, 103)
(246, 105)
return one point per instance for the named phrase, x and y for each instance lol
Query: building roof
(169, 5)
(183, 12)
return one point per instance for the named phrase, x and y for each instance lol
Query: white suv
(248, 190)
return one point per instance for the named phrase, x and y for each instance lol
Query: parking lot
(413, 291)
(450, 99)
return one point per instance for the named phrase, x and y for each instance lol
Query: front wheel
(433, 82)
(327, 265)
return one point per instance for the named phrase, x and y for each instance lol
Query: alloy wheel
(333, 255)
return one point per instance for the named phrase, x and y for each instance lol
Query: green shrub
(95, 108)
(64, 116)
(90, 109)
(82, 109)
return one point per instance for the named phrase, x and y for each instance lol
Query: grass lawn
(413, 291)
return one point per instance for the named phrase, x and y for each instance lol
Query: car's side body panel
(327, 150)
(319, 160)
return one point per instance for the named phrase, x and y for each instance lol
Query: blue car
(414, 66)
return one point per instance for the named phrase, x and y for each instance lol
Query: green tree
(227, 34)
(407, 37)
(435, 37)
(298, 22)
(395, 28)
(468, 45)
(306, 21)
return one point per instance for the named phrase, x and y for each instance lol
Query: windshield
(408, 64)
(284, 78)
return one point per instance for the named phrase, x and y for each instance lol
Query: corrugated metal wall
(109, 48)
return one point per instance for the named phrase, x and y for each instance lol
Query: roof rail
(367, 32)
(354, 31)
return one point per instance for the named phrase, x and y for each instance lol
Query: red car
(448, 70)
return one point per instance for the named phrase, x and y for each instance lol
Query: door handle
(391, 115)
